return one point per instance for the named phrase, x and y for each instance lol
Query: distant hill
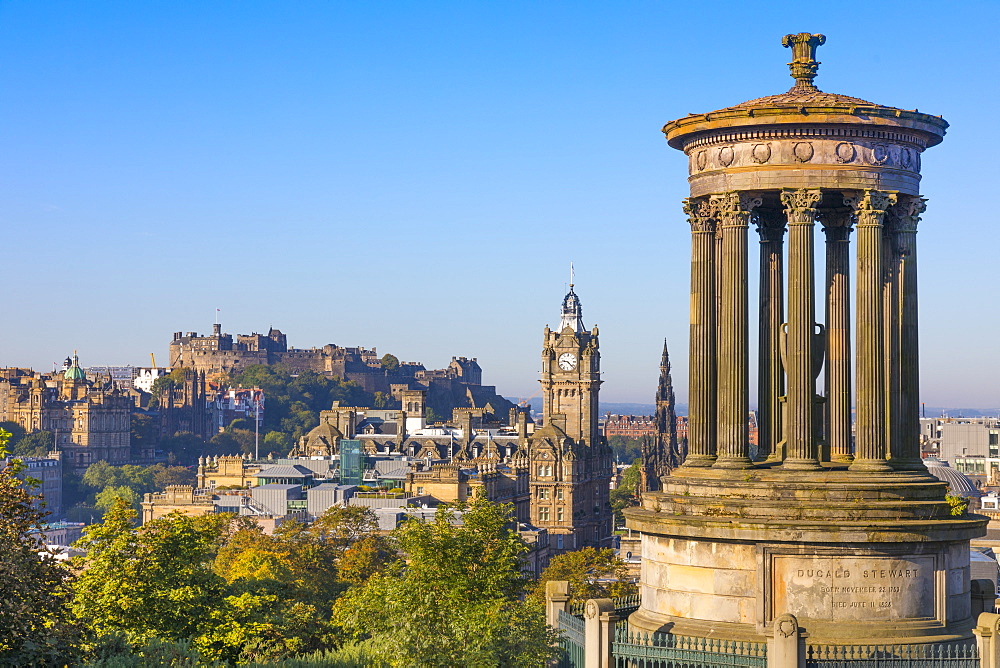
(936, 411)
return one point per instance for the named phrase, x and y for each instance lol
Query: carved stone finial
(804, 64)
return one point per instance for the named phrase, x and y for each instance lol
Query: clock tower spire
(570, 459)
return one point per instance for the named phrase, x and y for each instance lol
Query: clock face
(567, 361)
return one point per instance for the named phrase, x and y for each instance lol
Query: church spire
(660, 453)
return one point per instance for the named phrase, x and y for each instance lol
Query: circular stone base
(858, 558)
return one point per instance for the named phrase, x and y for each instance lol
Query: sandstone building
(91, 419)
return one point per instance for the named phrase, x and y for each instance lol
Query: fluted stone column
(870, 447)
(837, 227)
(733, 217)
(890, 338)
(770, 374)
(802, 447)
(908, 215)
(702, 362)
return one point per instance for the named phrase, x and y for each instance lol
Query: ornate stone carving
(760, 153)
(734, 208)
(726, 156)
(770, 225)
(880, 154)
(845, 152)
(803, 151)
(870, 206)
(804, 64)
(800, 205)
(836, 223)
(906, 157)
(700, 214)
(908, 211)
(701, 159)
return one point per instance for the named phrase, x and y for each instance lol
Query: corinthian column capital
(836, 223)
(734, 208)
(800, 205)
(770, 225)
(870, 206)
(908, 210)
(700, 214)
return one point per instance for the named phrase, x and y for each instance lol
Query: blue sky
(417, 176)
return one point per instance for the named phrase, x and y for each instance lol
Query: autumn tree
(36, 627)
(455, 600)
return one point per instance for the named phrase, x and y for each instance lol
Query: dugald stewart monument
(843, 529)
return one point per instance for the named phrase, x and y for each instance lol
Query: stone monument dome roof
(802, 96)
(805, 104)
(959, 484)
(804, 67)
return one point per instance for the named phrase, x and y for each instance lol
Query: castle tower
(570, 462)
(855, 539)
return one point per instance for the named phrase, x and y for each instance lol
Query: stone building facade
(91, 419)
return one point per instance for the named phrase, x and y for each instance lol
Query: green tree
(293, 401)
(16, 432)
(625, 449)
(172, 475)
(35, 444)
(390, 362)
(186, 448)
(36, 627)
(144, 433)
(110, 495)
(455, 601)
(626, 494)
(152, 582)
(282, 587)
(278, 441)
(591, 573)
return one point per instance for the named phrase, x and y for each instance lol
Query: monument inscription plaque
(855, 588)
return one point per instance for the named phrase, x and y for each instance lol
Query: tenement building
(850, 535)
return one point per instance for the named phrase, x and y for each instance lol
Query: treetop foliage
(454, 601)
(591, 573)
(36, 627)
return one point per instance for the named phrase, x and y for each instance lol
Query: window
(559, 542)
(559, 493)
(543, 514)
(420, 490)
(559, 514)
(543, 493)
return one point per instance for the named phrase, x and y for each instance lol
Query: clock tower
(571, 463)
